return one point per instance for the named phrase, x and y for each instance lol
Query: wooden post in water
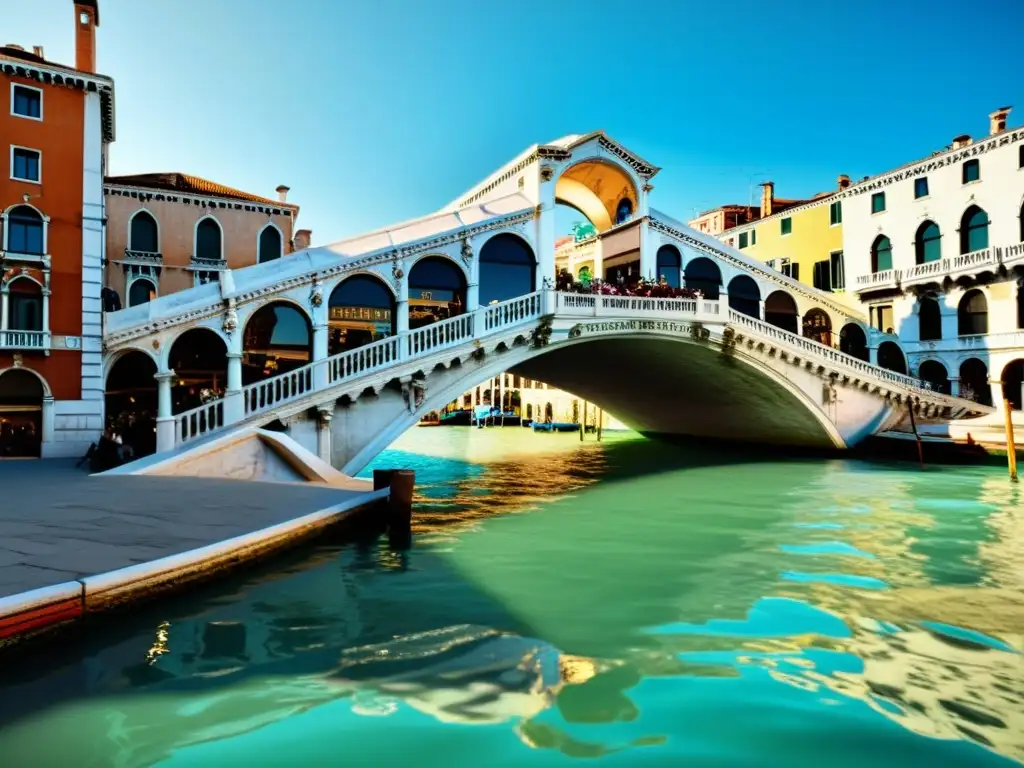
(600, 423)
(400, 508)
(583, 420)
(917, 437)
(1011, 445)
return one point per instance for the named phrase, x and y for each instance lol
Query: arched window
(361, 310)
(1013, 379)
(853, 342)
(890, 357)
(703, 275)
(973, 230)
(926, 244)
(143, 235)
(744, 296)
(507, 269)
(25, 305)
(270, 244)
(142, 290)
(780, 311)
(624, 210)
(974, 381)
(21, 413)
(277, 339)
(25, 231)
(1020, 303)
(935, 374)
(208, 240)
(929, 319)
(437, 291)
(1020, 215)
(669, 262)
(972, 314)
(818, 326)
(881, 254)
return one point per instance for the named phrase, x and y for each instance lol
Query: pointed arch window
(881, 254)
(143, 235)
(269, 245)
(209, 240)
(926, 244)
(973, 230)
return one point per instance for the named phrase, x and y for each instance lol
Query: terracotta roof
(193, 185)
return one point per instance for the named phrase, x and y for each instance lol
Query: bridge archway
(702, 274)
(601, 190)
(974, 381)
(22, 394)
(745, 296)
(360, 310)
(854, 342)
(437, 291)
(508, 268)
(935, 374)
(669, 263)
(890, 357)
(780, 310)
(131, 400)
(1013, 380)
(278, 338)
(818, 326)
(199, 360)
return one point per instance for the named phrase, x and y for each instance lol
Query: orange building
(55, 125)
(170, 231)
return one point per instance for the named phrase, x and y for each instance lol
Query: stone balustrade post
(321, 336)
(165, 435)
(323, 432)
(234, 405)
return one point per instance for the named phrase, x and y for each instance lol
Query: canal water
(625, 601)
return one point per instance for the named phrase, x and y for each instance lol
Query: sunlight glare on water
(626, 600)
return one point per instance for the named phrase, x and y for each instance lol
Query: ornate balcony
(143, 258)
(1012, 255)
(30, 340)
(887, 279)
(952, 267)
(200, 264)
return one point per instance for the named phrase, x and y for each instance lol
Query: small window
(971, 171)
(882, 318)
(27, 102)
(789, 269)
(743, 239)
(878, 202)
(921, 187)
(838, 271)
(786, 226)
(835, 213)
(753, 237)
(823, 275)
(25, 164)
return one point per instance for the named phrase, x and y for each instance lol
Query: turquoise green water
(625, 602)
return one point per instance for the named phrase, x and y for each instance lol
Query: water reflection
(800, 613)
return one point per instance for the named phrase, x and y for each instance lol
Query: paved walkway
(58, 523)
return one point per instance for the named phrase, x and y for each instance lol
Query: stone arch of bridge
(728, 393)
(276, 338)
(596, 186)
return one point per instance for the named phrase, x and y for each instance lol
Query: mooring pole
(600, 423)
(917, 437)
(400, 508)
(1011, 445)
(583, 420)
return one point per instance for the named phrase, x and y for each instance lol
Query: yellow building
(800, 238)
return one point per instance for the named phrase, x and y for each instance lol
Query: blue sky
(381, 111)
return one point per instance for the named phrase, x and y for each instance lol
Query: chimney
(843, 181)
(997, 120)
(282, 193)
(767, 198)
(38, 51)
(302, 238)
(87, 18)
(961, 141)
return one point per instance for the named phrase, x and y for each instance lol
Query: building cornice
(753, 266)
(68, 78)
(144, 194)
(940, 160)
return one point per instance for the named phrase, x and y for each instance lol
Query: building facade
(935, 250)
(56, 122)
(169, 231)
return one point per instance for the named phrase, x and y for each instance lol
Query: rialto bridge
(348, 345)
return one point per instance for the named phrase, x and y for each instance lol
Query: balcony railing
(25, 340)
(950, 267)
(207, 265)
(143, 258)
